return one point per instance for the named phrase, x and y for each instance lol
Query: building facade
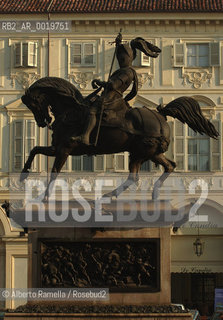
(190, 64)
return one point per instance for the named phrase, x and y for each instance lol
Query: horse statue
(143, 132)
(149, 142)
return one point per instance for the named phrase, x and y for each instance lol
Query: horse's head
(39, 107)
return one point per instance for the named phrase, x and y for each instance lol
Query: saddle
(118, 114)
(114, 113)
(138, 121)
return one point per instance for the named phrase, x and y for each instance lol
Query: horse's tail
(187, 110)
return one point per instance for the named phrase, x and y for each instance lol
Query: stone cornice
(162, 16)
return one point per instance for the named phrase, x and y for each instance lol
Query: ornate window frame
(197, 75)
(16, 112)
(117, 162)
(25, 75)
(81, 75)
(215, 154)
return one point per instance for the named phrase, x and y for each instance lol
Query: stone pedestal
(134, 263)
(155, 239)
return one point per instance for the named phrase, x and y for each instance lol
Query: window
(199, 292)
(149, 166)
(196, 55)
(196, 152)
(198, 148)
(24, 140)
(82, 54)
(82, 163)
(26, 54)
(111, 162)
(101, 163)
(203, 286)
(141, 60)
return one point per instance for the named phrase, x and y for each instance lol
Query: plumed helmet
(126, 54)
(146, 47)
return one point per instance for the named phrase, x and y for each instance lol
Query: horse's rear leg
(134, 167)
(169, 167)
(47, 151)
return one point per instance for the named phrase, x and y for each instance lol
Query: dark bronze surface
(122, 265)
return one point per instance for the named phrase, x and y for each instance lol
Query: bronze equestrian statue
(118, 83)
(143, 132)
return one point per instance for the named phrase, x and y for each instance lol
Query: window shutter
(30, 140)
(18, 145)
(32, 54)
(169, 153)
(76, 163)
(25, 133)
(99, 162)
(25, 54)
(179, 145)
(179, 54)
(89, 53)
(36, 54)
(145, 60)
(109, 162)
(214, 53)
(18, 54)
(215, 148)
(82, 163)
(121, 161)
(72, 52)
(75, 50)
(87, 163)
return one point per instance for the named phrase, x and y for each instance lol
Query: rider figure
(117, 83)
(114, 88)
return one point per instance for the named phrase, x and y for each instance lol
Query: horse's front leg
(61, 157)
(47, 151)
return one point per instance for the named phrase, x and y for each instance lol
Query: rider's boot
(85, 137)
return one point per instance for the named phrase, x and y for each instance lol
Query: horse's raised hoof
(24, 174)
